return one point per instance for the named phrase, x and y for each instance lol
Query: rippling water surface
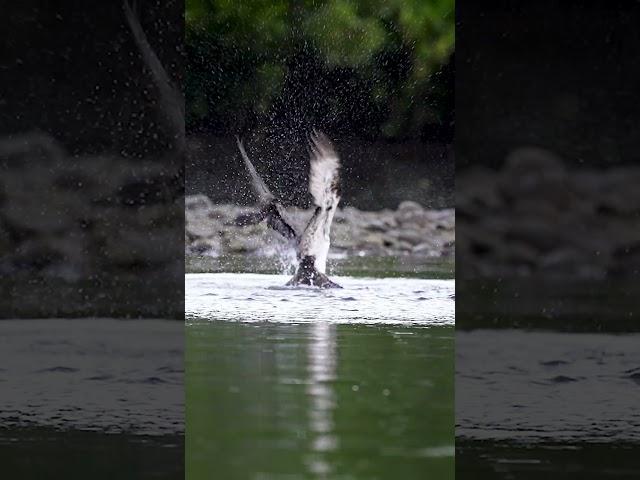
(103, 375)
(92, 398)
(302, 383)
(548, 385)
(264, 298)
(558, 404)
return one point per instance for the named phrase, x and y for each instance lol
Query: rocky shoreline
(82, 235)
(537, 216)
(409, 230)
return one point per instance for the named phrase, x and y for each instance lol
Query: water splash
(362, 300)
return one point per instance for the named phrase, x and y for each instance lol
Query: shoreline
(410, 230)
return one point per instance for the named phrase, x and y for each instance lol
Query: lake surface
(287, 383)
(92, 398)
(547, 403)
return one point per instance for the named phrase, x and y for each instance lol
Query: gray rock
(426, 249)
(242, 243)
(197, 202)
(376, 225)
(412, 237)
(371, 240)
(204, 247)
(203, 228)
(410, 206)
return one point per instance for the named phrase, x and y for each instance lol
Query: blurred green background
(376, 69)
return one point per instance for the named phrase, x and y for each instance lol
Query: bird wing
(324, 176)
(324, 186)
(259, 187)
(271, 209)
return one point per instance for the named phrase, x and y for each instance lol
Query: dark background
(548, 119)
(546, 239)
(91, 225)
(560, 75)
(75, 73)
(83, 133)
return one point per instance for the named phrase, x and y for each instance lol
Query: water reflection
(318, 400)
(322, 355)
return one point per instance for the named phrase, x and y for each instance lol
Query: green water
(44, 453)
(355, 266)
(298, 401)
(505, 460)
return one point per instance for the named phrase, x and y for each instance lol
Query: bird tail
(308, 274)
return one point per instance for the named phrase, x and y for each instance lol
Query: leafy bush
(367, 67)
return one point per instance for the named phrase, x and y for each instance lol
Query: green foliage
(241, 54)
(343, 37)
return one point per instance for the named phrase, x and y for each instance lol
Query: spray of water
(287, 259)
(279, 254)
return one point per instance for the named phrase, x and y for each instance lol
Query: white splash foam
(263, 298)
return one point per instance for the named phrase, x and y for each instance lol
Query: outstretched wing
(259, 188)
(324, 176)
(324, 186)
(270, 208)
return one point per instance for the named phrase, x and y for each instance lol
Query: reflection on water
(322, 371)
(276, 395)
(319, 401)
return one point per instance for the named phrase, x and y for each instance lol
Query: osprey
(312, 245)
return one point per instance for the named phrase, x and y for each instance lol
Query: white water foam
(264, 298)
